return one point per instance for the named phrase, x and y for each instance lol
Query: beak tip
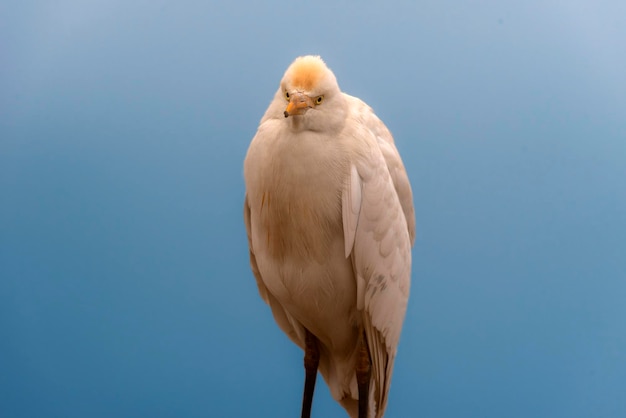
(286, 114)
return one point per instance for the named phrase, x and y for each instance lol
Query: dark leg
(311, 361)
(363, 375)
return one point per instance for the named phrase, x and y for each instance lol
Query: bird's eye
(287, 95)
(319, 100)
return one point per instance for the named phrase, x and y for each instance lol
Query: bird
(329, 216)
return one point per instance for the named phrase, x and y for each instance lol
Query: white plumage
(330, 222)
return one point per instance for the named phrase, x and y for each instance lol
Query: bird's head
(309, 95)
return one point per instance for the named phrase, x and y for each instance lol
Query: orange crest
(306, 72)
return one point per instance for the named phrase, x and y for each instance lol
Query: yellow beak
(298, 104)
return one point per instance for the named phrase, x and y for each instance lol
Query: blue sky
(125, 288)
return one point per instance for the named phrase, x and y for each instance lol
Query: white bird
(330, 223)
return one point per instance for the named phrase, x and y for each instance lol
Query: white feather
(330, 224)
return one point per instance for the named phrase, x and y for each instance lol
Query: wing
(378, 237)
(396, 169)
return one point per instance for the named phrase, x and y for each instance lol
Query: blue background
(125, 289)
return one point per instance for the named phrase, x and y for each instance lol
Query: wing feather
(351, 202)
(396, 169)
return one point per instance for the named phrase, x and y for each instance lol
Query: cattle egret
(330, 222)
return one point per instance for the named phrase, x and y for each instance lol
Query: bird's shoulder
(363, 114)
